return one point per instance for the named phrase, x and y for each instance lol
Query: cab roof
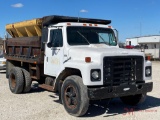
(48, 20)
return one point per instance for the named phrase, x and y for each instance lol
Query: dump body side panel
(24, 49)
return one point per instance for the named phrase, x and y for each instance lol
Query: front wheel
(134, 99)
(74, 96)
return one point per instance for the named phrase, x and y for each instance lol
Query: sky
(132, 18)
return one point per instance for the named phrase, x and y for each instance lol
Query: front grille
(122, 70)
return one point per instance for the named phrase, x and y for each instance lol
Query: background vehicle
(2, 62)
(77, 57)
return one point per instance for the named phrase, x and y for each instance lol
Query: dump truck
(79, 58)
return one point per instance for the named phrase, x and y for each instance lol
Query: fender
(78, 68)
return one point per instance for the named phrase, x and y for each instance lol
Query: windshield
(90, 35)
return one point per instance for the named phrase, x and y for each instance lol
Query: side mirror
(49, 44)
(116, 33)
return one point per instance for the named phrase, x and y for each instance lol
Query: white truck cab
(83, 46)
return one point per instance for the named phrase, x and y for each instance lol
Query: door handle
(47, 59)
(55, 48)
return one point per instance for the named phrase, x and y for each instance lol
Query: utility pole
(78, 16)
(140, 29)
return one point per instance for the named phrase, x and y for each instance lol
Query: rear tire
(27, 81)
(74, 96)
(134, 99)
(16, 80)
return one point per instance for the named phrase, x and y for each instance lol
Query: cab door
(54, 52)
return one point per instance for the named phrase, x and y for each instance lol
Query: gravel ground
(44, 105)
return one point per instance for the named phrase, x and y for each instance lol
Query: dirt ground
(43, 105)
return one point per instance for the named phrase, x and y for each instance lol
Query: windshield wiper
(102, 38)
(83, 36)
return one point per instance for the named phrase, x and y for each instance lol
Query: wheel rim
(13, 81)
(70, 97)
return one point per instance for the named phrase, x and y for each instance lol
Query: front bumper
(119, 91)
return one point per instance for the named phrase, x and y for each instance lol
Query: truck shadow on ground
(116, 107)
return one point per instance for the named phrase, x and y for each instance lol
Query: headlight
(96, 75)
(148, 71)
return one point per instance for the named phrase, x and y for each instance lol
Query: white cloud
(83, 10)
(18, 5)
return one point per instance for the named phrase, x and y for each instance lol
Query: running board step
(34, 77)
(33, 68)
(47, 87)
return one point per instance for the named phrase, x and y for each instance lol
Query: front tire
(16, 81)
(74, 96)
(134, 99)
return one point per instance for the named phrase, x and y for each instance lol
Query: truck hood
(97, 52)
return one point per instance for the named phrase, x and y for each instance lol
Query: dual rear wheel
(19, 80)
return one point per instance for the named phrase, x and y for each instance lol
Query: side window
(56, 38)
(108, 38)
(103, 36)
